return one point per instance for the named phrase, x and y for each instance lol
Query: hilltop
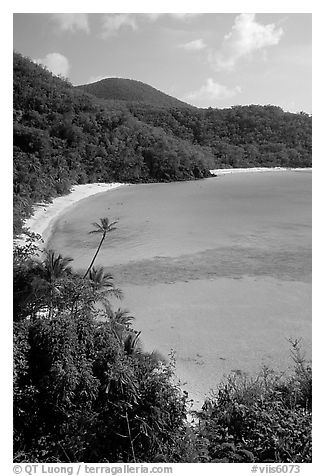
(130, 90)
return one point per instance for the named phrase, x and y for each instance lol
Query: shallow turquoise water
(269, 212)
(218, 270)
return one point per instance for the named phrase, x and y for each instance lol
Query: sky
(205, 59)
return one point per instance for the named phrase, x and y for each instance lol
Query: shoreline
(46, 214)
(256, 169)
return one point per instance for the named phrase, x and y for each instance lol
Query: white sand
(45, 215)
(253, 169)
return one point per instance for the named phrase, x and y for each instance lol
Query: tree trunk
(93, 260)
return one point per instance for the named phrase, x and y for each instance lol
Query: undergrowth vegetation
(265, 419)
(84, 390)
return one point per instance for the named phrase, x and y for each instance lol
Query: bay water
(216, 270)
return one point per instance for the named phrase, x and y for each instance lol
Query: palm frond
(104, 226)
(101, 279)
(122, 316)
(130, 342)
(98, 228)
(117, 293)
(55, 265)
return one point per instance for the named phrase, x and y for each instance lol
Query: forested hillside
(132, 91)
(242, 136)
(64, 136)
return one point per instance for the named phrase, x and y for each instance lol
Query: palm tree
(49, 272)
(122, 318)
(121, 322)
(102, 281)
(104, 227)
(55, 266)
(131, 342)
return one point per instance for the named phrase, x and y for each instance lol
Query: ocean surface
(216, 270)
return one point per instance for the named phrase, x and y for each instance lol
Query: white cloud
(58, 64)
(194, 45)
(71, 21)
(245, 37)
(184, 16)
(211, 93)
(152, 16)
(114, 22)
(176, 16)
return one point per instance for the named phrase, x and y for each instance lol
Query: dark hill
(240, 136)
(65, 136)
(130, 90)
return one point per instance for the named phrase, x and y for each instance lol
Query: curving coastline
(45, 214)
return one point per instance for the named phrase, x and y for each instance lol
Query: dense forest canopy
(64, 136)
(241, 136)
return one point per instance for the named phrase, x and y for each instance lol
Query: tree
(104, 227)
(103, 282)
(45, 284)
(55, 266)
(120, 322)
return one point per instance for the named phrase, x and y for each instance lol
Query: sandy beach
(46, 214)
(253, 169)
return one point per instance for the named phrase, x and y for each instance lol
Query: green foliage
(83, 389)
(64, 136)
(265, 419)
(242, 136)
(79, 397)
(45, 286)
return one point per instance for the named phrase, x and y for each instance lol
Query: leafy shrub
(262, 419)
(79, 396)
